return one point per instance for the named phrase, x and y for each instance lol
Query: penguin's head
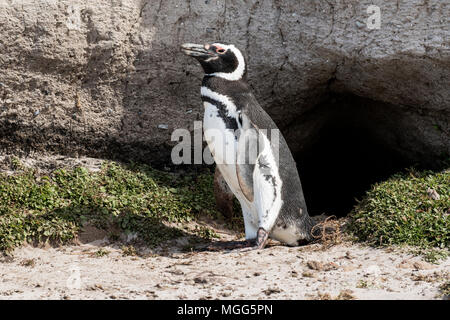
(217, 59)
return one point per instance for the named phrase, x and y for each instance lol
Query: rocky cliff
(106, 78)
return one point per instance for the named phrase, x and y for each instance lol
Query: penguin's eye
(220, 50)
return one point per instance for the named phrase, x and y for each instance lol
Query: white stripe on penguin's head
(237, 73)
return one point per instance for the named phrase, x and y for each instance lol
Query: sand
(96, 268)
(346, 271)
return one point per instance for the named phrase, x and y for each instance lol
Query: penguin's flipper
(267, 187)
(247, 153)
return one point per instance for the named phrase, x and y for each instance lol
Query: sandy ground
(99, 269)
(345, 271)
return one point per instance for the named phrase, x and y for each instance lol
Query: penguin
(249, 150)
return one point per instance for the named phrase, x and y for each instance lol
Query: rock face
(106, 78)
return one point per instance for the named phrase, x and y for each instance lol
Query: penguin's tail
(304, 226)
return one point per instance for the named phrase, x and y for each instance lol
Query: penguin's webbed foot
(260, 241)
(261, 238)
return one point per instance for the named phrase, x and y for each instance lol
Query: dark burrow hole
(341, 166)
(346, 156)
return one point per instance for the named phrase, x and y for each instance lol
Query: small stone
(163, 126)
(359, 24)
(270, 291)
(406, 264)
(349, 268)
(308, 274)
(422, 265)
(28, 263)
(319, 266)
(349, 255)
(433, 194)
(315, 265)
(200, 280)
(373, 269)
(346, 295)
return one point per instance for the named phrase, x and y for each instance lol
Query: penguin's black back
(293, 210)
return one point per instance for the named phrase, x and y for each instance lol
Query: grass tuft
(134, 198)
(410, 208)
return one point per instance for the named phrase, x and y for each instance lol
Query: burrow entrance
(352, 150)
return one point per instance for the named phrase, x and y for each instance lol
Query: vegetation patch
(134, 198)
(410, 208)
(445, 289)
(101, 253)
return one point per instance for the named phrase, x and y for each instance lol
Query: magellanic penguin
(259, 169)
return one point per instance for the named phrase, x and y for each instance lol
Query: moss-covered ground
(411, 208)
(131, 198)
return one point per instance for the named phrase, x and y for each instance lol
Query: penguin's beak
(195, 50)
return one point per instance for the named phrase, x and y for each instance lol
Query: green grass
(156, 204)
(101, 252)
(134, 198)
(399, 211)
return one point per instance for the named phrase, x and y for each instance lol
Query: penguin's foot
(258, 243)
(261, 238)
(242, 246)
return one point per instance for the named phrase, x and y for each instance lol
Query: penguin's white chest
(221, 140)
(263, 209)
(222, 145)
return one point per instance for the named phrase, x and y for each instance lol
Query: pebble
(359, 24)
(417, 265)
(422, 265)
(433, 194)
(373, 269)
